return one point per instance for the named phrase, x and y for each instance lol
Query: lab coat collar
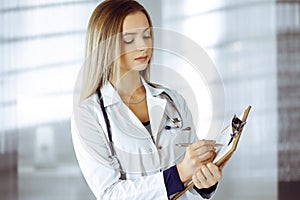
(111, 96)
(152, 90)
(156, 105)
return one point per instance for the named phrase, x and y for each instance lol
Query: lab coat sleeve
(92, 152)
(187, 116)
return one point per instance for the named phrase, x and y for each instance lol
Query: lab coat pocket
(169, 150)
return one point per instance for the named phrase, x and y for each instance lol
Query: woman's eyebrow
(146, 29)
(130, 33)
(134, 33)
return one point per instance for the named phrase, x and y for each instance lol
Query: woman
(127, 131)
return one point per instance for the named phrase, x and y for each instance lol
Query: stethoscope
(177, 121)
(113, 158)
(177, 124)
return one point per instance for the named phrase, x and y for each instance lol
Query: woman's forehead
(135, 22)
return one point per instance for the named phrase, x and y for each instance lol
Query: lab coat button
(150, 150)
(159, 147)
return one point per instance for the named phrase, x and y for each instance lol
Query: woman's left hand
(207, 176)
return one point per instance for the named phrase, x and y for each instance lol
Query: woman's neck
(128, 84)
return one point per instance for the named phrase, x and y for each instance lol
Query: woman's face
(136, 43)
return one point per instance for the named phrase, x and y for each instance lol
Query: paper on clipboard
(223, 138)
(229, 138)
(224, 152)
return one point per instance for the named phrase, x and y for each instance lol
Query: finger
(213, 157)
(215, 171)
(205, 149)
(223, 164)
(206, 172)
(197, 182)
(205, 161)
(200, 143)
(202, 150)
(202, 179)
(211, 179)
(206, 156)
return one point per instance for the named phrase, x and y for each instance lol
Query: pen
(187, 144)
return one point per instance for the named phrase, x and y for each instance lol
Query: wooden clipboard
(225, 157)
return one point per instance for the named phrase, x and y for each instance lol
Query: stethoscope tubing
(108, 127)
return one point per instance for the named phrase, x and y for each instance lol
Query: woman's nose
(141, 44)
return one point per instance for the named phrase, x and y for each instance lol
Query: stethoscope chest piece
(177, 124)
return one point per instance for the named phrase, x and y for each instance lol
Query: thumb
(224, 163)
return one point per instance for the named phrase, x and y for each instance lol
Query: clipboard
(225, 152)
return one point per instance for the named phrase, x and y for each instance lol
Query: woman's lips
(141, 58)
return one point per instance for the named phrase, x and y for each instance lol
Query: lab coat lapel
(156, 106)
(156, 109)
(121, 113)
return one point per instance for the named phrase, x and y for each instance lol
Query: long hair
(103, 46)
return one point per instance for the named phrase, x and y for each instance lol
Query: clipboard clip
(237, 127)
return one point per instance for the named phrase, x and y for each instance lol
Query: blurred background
(255, 45)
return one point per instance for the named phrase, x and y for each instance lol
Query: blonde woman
(125, 129)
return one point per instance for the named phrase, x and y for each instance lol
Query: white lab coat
(141, 158)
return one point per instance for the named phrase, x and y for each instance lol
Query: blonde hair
(103, 43)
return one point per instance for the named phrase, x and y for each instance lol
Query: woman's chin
(140, 67)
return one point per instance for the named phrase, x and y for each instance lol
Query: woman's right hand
(196, 155)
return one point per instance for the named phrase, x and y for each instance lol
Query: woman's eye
(147, 36)
(128, 39)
